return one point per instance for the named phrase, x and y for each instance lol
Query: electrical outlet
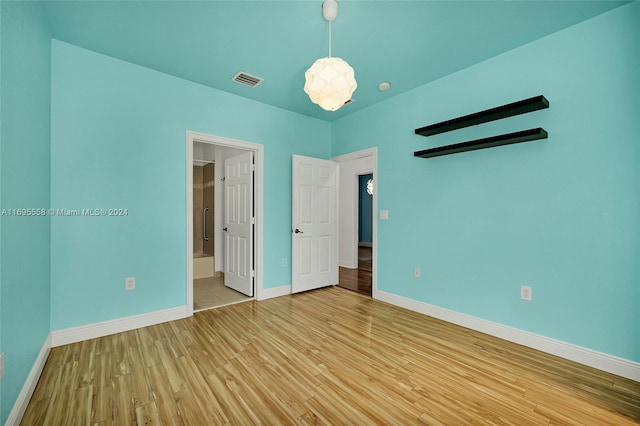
(129, 283)
(284, 262)
(526, 293)
(1, 365)
(416, 273)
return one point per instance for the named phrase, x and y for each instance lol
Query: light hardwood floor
(329, 356)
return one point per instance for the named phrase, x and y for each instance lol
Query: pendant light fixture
(330, 81)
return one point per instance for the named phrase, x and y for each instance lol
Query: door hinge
(252, 274)
(253, 220)
(253, 167)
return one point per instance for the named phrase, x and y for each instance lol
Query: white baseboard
(20, 406)
(269, 293)
(105, 328)
(609, 363)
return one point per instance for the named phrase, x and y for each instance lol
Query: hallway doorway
(358, 225)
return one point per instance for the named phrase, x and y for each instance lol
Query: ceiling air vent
(247, 79)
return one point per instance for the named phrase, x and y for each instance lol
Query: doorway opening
(358, 226)
(224, 221)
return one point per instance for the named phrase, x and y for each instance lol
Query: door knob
(225, 229)
(297, 231)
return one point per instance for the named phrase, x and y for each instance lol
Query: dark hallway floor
(358, 280)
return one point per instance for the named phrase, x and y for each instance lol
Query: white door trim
(373, 153)
(258, 150)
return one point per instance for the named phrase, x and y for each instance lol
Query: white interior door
(238, 223)
(314, 223)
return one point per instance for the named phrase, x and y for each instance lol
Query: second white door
(314, 223)
(239, 223)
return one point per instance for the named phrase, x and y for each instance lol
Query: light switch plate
(384, 214)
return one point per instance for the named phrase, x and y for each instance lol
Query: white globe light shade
(330, 82)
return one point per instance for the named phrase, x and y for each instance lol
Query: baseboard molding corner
(105, 328)
(589, 357)
(20, 406)
(270, 293)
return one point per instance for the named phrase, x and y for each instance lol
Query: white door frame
(346, 180)
(258, 150)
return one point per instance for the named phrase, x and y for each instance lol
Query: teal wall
(118, 141)
(561, 215)
(24, 183)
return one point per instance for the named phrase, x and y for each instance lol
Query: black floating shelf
(516, 137)
(504, 111)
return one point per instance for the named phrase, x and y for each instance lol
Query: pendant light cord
(329, 38)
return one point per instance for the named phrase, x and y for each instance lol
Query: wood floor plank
(102, 402)
(333, 410)
(36, 412)
(123, 403)
(147, 347)
(85, 362)
(148, 415)
(168, 363)
(289, 395)
(188, 408)
(197, 385)
(233, 405)
(310, 418)
(247, 386)
(163, 396)
(324, 357)
(360, 397)
(119, 343)
(58, 411)
(50, 376)
(140, 389)
(80, 402)
(299, 375)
